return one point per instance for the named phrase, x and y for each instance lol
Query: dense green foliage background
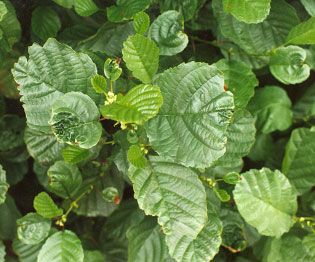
(157, 130)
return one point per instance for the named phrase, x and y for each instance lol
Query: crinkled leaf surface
(262, 37)
(304, 109)
(239, 79)
(253, 11)
(126, 9)
(74, 120)
(186, 7)
(45, 22)
(272, 108)
(141, 56)
(176, 196)
(288, 65)
(139, 105)
(85, 7)
(298, 162)
(303, 33)
(267, 201)
(51, 71)
(167, 32)
(46, 207)
(64, 179)
(75, 154)
(4, 186)
(32, 228)
(141, 22)
(136, 156)
(61, 247)
(190, 126)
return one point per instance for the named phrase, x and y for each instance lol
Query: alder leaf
(85, 7)
(136, 156)
(309, 6)
(267, 201)
(64, 179)
(74, 120)
(167, 31)
(248, 11)
(303, 34)
(139, 105)
(141, 22)
(287, 64)
(176, 196)
(190, 127)
(141, 56)
(187, 8)
(74, 154)
(62, 246)
(4, 186)
(46, 207)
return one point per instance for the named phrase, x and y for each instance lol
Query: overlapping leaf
(304, 109)
(309, 6)
(190, 126)
(85, 7)
(4, 186)
(46, 207)
(267, 201)
(303, 33)
(182, 213)
(186, 7)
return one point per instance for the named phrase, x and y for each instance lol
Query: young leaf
(112, 70)
(272, 107)
(182, 213)
(126, 9)
(32, 228)
(267, 201)
(142, 57)
(99, 84)
(143, 237)
(45, 22)
(288, 65)
(248, 11)
(63, 70)
(141, 22)
(239, 79)
(64, 179)
(74, 154)
(4, 186)
(85, 7)
(302, 34)
(62, 246)
(140, 104)
(298, 162)
(136, 156)
(74, 120)
(232, 178)
(167, 32)
(46, 207)
(111, 195)
(222, 194)
(190, 126)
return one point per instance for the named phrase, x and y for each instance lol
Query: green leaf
(99, 84)
(146, 242)
(136, 156)
(222, 194)
(26, 253)
(141, 22)
(287, 64)
(187, 8)
(258, 38)
(190, 127)
(42, 147)
(10, 29)
(142, 57)
(45, 22)
(303, 33)
(62, 246)
(167, 31)
(126, 9)
(267, 201)
(304, 109)
(64, 179)
(111, 195)
(309, 246)
(248, 11)
(139, 105)
(51, 80)
(85, 7)
(32, 228)
(93, 256)
(179, 201)
(298, 160)
(232, 178)
(309, 6)
(46, 207)
(74, 154)
(272, 108)
(4, 186)
(65, 3)
(240, 138)
(2, 252)
(239, 79)
(74, 120)
(112, 70)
